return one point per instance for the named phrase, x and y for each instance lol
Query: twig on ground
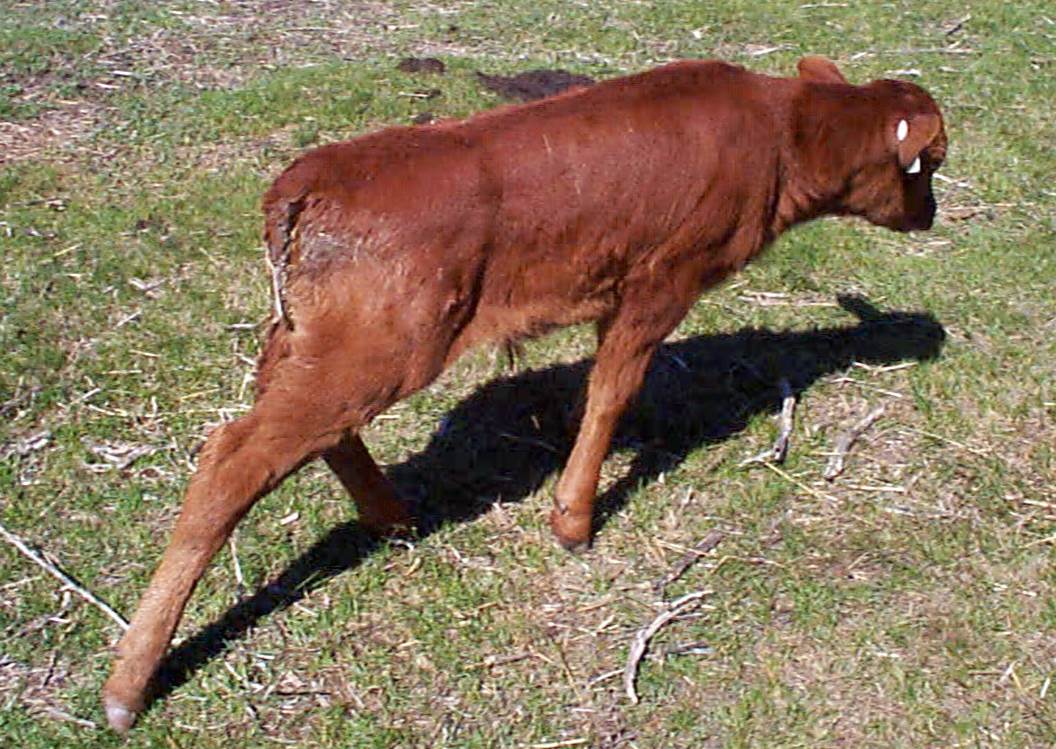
(561, 744)
(805, 487)
(604, 677)
(54, 712)
(572, 681)
(702, 547)
(788, 412)
(530, 441)
(492, 661)
(117, 456)
(947, 440)
(642, 637)
(777, 453)
(957, 25)
(30, 444)
(697, 647)
(776, 299)
(68, 581)
(846, 440)
(19, 398)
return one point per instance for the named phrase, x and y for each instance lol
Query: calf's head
(873, 147)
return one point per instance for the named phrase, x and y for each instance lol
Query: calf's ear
(820, 69)
(910, 135)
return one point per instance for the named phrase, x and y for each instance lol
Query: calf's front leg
(627, 342)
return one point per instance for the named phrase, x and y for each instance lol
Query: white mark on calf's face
(903, 130)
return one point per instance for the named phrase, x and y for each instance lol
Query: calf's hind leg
(380, 508)
(240, 462)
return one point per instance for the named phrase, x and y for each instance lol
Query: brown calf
(396, 252)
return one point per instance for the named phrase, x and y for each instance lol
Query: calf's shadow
(505, 440)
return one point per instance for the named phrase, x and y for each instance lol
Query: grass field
(908, 603)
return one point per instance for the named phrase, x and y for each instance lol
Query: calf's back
(534, 216)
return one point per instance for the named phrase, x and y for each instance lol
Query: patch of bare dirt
(533, 84)
(37, 688)
(50, 134)
(204, 46)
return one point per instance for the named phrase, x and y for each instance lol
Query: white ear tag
(903, 130)
(914, 168)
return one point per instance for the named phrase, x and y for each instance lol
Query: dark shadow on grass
(506, 439)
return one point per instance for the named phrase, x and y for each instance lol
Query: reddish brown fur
(398, 251)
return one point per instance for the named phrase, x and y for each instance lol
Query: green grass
(909, 603)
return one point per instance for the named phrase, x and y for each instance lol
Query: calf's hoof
(121, 700)
(119, 716)
(391, 521)
(571, 531)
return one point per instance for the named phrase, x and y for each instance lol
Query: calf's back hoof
(118, 716)
(400, 524)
